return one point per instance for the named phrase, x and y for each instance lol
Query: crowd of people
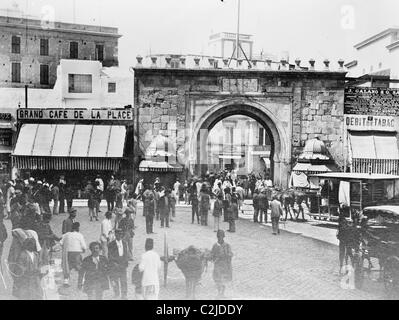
(227, 190)
(33, 243)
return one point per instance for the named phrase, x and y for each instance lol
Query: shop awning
(69, 147)
(159, 166)
(299, 180)
(374, 146)
(300, 176)
(161, 156)
(230, 156)
(311, 168)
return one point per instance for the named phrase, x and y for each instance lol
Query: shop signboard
(75, 114)
(5, 116)
(370, 123)
(371, 101)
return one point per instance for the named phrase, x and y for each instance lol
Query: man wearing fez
(118, 257)
(150, 265)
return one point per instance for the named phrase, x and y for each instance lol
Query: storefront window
(5, 138)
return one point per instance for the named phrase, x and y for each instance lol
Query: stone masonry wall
(166, 100)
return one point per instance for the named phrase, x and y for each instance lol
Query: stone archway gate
(293, 106)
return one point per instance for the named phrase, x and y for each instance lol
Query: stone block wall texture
(170, 102)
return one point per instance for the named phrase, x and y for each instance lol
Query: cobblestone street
(289, 266)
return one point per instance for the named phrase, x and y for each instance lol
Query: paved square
(288, 266)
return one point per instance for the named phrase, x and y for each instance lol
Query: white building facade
(377, 56)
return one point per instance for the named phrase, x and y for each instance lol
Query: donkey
(288, 198)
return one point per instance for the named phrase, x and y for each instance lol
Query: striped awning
(310, 168)
(230, 156)
(381, 145)
(159, 166)
(62, 163)
(69, 147)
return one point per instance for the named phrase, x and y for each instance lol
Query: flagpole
(238, 33)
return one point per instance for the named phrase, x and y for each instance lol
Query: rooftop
(378, 36)
(38, 24)
(211, 63)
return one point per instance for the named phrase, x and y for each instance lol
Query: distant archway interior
(237, 137)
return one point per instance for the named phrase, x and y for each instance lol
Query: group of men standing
(263, 200)
(159, 202)
(42, 191)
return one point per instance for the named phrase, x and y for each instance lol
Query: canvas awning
(310, 168)
(300, 176)
(69, 147)
(374, 146)
(299, 180)
(159, 166)
(161, 156)
(230, 156)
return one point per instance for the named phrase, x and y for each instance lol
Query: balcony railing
(382, 166)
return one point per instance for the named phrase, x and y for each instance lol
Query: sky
(307, 29)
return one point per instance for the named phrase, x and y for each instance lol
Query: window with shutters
(15, 44)
(80, 83)
(264, 139)
(44, 74)
(16, 72)
(100, 52)
(44, 47)
(5, 138)
(73, 50)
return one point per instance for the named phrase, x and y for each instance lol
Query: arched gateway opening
(242, 144)
(279, 142)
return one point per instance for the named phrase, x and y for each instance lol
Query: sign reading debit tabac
(370, 123)
(76, 114)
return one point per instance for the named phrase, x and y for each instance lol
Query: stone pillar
(283, 64)
(311, 62)
(182, 62)
(326, 65)
(297, 64)
(268, 65)
(168, 60)
(341, 64)
(154, 62)
(211, 62)
(196, 61)
(225, 63)
(139, 61)
(281, 172)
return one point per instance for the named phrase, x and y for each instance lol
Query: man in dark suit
(118, 256)
(93, 277)
(62, 187)
(68, 222)
(263, 204)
